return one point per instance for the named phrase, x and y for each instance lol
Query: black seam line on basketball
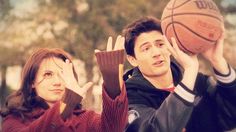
(177, 38)
(200, 14)
(172, 19)
(194, 32)
(178, 5)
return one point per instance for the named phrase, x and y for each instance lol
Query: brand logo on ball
(206, 5)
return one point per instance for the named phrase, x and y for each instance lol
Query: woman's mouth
(57, 90)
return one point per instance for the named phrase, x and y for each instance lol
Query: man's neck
(161, 81)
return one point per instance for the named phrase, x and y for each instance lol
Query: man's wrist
(226, 78)
(220, 65)
(189, 79)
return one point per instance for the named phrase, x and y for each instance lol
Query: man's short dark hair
(133, 30)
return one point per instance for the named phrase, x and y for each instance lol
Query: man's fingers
(109, 44)
(219, 43)
(169, 47)
(175, 44)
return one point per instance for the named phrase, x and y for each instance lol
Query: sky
(22, 7)
(228, 2)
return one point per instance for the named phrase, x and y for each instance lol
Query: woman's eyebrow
(47, 71)
(56, 63)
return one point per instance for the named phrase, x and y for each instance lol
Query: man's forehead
(149, 37)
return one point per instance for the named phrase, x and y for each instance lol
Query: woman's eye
(48, 74)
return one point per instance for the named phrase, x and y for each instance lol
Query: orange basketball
(195, 24)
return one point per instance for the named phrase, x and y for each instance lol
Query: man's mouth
(158, 63)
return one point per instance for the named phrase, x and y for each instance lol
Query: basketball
(195, 24)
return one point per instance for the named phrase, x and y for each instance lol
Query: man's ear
(132, 60)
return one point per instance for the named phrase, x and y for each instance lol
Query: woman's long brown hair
(25, 99)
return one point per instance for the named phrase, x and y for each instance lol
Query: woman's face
(49, 84)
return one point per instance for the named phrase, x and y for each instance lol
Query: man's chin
(160, 73)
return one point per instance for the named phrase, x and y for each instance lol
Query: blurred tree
(4, 8)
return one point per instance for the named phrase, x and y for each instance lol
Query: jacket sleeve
(115, 102)
(49, 121)
(114, 114)
(225, 97)
(172, 115)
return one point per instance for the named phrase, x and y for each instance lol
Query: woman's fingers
(66, 72)
(70, 81)
(97, 50)
(119, 43)
(109, 44)
(66, 68)
(85, 88)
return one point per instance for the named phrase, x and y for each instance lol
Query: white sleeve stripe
(184, 94)
(227, 79)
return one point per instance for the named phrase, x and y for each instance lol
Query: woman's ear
(132, 60)
(33, 85)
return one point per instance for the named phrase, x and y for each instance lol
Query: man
(181, 98)
(155, 75)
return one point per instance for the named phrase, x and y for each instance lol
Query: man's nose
(156, 51)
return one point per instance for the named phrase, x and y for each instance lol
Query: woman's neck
(50, 104)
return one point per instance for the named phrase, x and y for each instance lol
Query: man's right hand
(188, 62)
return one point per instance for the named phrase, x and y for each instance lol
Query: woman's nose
(57, 80)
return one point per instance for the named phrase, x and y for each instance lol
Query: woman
(49, 97)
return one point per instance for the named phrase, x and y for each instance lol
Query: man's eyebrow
(159, 40)
(145, 43)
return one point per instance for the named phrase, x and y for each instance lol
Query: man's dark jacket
(214, 108)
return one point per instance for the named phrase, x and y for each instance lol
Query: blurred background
(79, 27)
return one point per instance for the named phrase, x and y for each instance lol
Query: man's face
(151, 54)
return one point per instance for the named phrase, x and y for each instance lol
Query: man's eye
(161, 44)
(145, 48)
